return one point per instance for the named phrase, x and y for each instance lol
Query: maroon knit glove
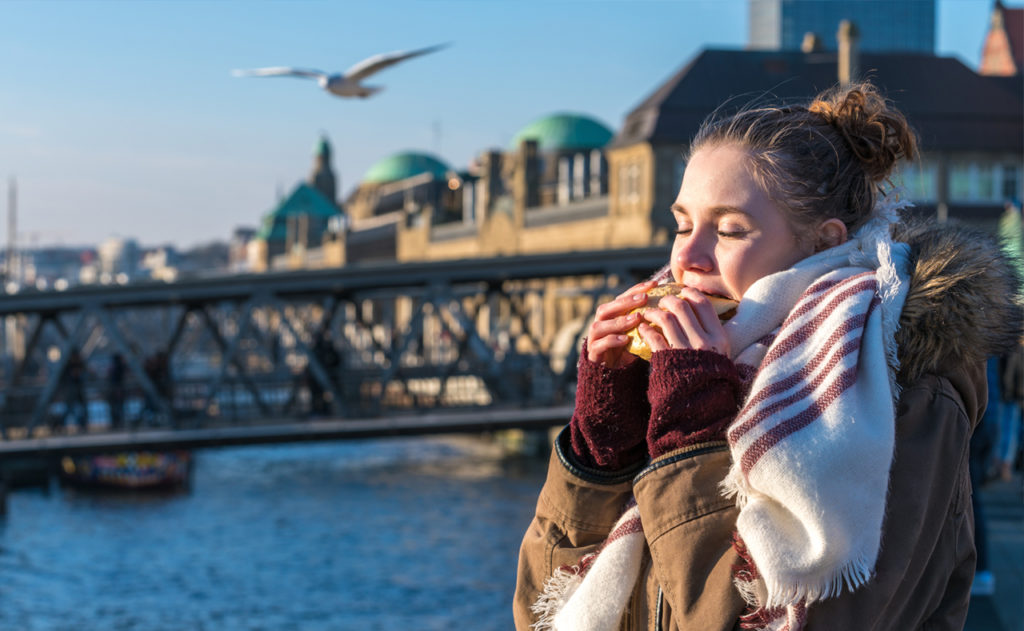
(610, 419)
(694, 395)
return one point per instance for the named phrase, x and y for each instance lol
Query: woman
(803, 466)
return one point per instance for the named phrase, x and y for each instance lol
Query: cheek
(756, 263)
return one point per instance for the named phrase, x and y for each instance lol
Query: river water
(418, 533)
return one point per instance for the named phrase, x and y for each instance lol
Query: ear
(829, 233)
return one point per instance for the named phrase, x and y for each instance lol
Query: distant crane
(347, 84)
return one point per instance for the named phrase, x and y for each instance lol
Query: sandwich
(724, 307)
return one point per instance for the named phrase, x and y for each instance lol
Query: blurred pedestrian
(1009, 407)
(1011, 232)
(982, 448)
(115, 390)
(74, 389)
(157, 369)
(327, 356)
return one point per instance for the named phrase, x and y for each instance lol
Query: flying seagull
(346, 84)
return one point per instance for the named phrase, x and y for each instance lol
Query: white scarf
(811, 446)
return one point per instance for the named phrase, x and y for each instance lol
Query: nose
(694, 252)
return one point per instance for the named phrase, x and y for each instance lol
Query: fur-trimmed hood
(964, 303)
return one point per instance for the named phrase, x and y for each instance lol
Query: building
(117, 261)
(888, 25)
(299, 222)
(1003, 52)
(412, 206)
(546, 192)
(971, 126)
(399, 191)
(238, 249)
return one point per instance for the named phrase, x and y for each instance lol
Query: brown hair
(820, 161)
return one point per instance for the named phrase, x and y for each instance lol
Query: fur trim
(964, 303)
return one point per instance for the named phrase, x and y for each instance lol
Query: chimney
(527, 182)
(469, 203)
(489, 184)
(564, 180)
(597, 174)
(580, 176)
(812, 43)
(849, 55)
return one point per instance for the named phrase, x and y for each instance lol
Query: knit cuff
(694, 395)
(608, 425)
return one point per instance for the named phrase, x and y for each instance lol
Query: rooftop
(963, 111)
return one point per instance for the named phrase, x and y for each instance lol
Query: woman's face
(729, 232)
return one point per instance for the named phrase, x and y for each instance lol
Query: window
(960, 182)
(985, 183)
(623, 178)
(918, 179)
(1011, 182)
(629, 182)
(634, 182)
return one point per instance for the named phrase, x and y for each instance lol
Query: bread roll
(724, 307)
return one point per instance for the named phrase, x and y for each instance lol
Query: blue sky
(122, 118)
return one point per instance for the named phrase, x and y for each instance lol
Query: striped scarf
(811, 445)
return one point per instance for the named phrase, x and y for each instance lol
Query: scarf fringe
(852, 575)
(733, 486)
(559, 587)
(747, 590)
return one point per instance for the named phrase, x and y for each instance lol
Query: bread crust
(724, 307)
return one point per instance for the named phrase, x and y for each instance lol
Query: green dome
(564, 132)
(404, 165)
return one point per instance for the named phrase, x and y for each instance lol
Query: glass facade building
(884, 25)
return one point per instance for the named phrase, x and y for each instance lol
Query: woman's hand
(688, 321)
(606, 339)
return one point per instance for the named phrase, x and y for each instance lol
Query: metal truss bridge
(349, 352)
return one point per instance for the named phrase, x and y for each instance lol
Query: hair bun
(876, 133)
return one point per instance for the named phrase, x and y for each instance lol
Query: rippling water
(391, 534)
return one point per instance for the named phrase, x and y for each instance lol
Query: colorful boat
(128, 470)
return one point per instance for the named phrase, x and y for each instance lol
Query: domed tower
(400, 181)
(322, 177)
(571, 161)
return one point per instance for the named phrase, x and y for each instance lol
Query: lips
(707, 290)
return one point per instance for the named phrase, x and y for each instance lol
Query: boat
(129, 470)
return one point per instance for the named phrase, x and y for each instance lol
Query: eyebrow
(717, 211)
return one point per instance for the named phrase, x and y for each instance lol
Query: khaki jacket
(925, 566)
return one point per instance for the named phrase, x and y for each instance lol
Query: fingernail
(623, 338)
(637, 297)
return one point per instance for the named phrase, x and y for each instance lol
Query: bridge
(363, 350)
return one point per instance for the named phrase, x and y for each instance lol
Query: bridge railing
(350, 342)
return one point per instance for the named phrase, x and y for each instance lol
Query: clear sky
(122, 118)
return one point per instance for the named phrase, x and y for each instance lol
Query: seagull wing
(279, 71)
(370, 65)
